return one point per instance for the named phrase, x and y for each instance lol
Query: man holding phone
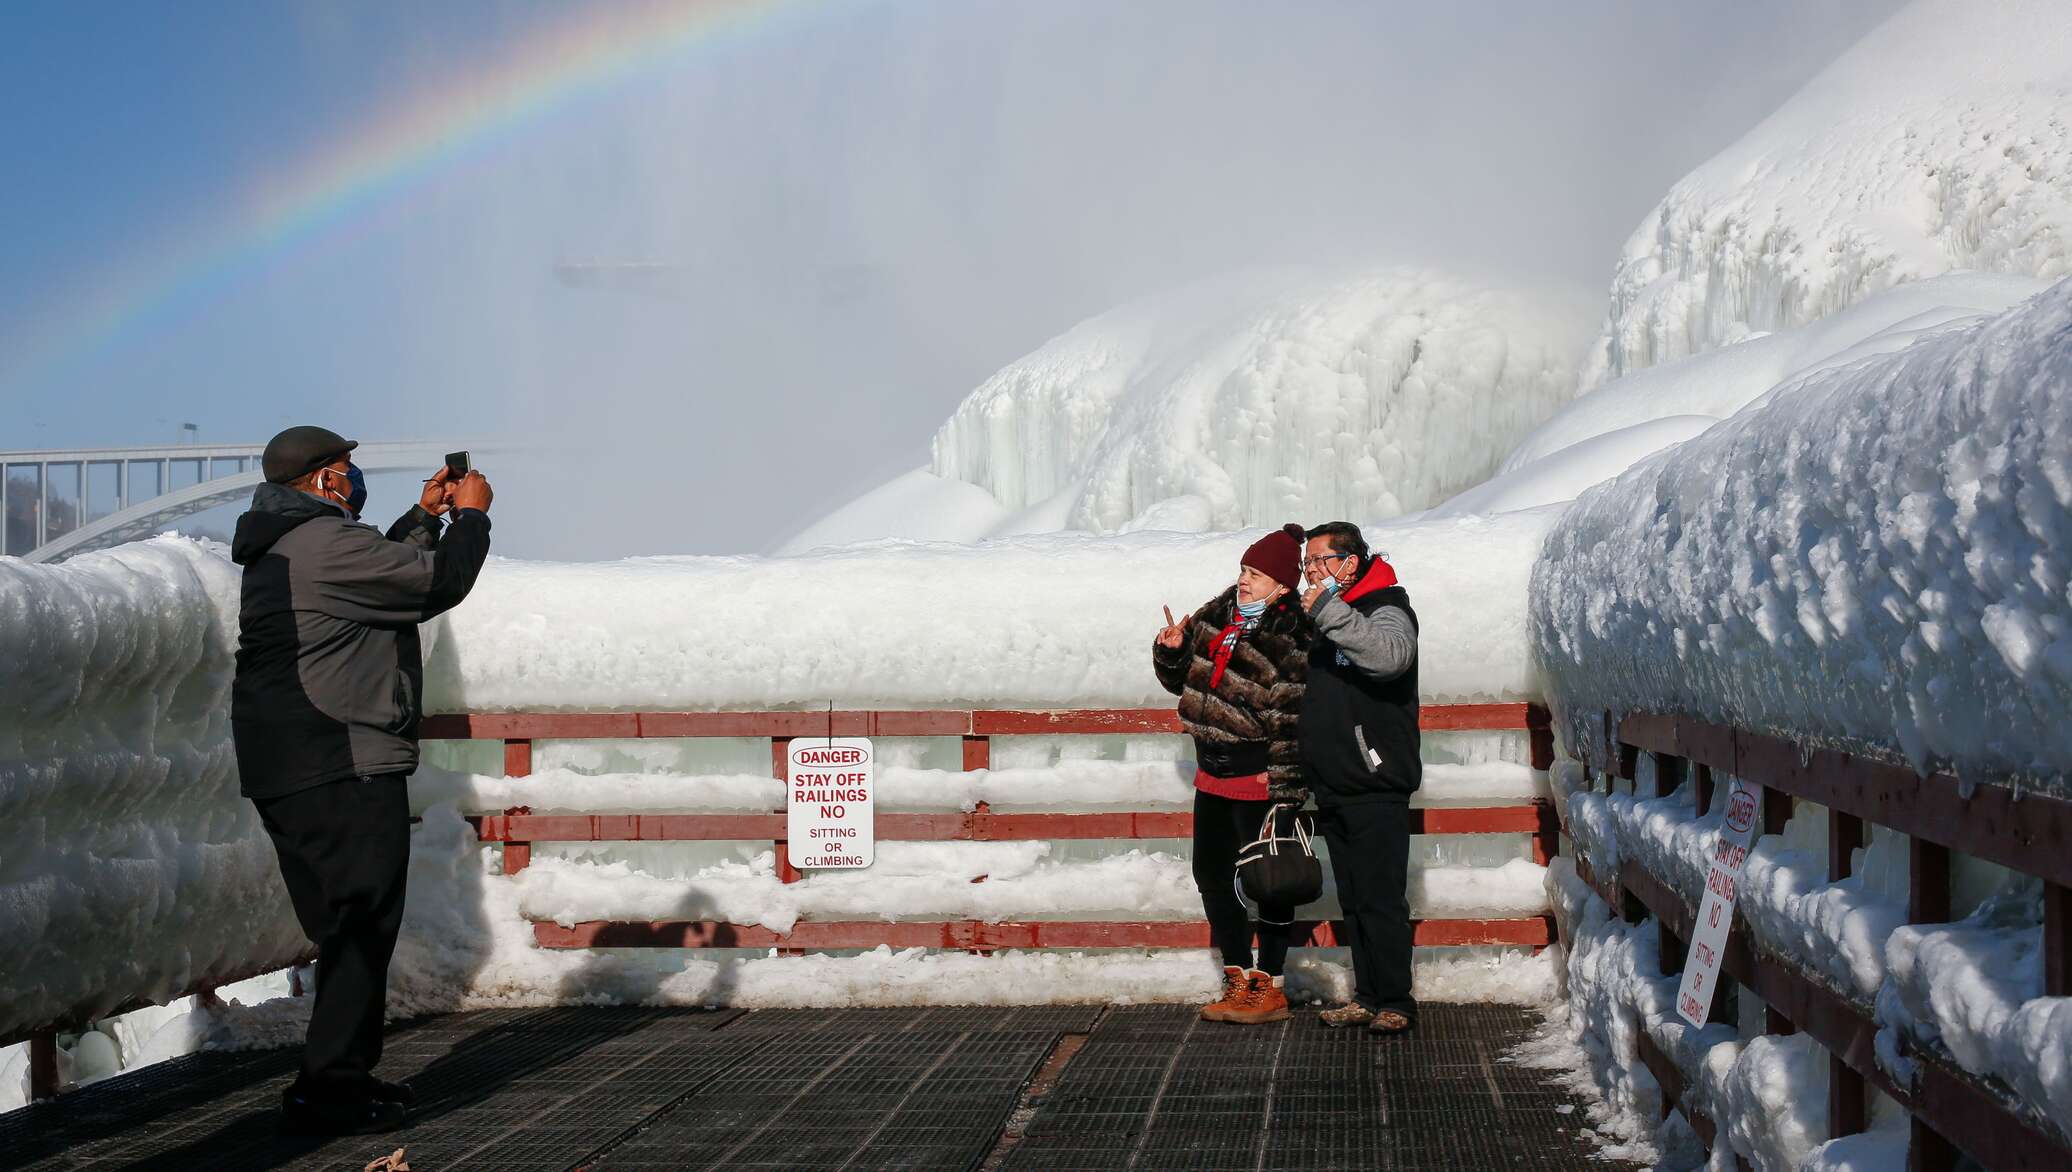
(324, 713)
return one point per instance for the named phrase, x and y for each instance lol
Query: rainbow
(586, 54)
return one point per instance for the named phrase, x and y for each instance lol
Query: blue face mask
(1251, 610)
(358, 500)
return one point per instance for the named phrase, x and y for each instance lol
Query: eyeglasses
(1323, 561)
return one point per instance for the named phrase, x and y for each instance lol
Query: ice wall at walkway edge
(1259, 398)
(128, 862)
(1941, 141)
(1880, 559)
(1043, 622)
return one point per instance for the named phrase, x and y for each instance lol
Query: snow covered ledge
(130, 869)
(1876, 561)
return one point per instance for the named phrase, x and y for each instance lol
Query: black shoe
(394, 1092)
(305, 1116)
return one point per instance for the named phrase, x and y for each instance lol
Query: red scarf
(1226, 643)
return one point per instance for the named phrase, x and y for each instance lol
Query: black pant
(344, 848)
(1221, 827)
(1370, 862)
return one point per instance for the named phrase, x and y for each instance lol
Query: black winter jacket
(1246, 723)
(329, 683)
(1359, 720)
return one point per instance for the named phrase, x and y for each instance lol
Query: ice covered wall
(129, 865)
(1050, 621)
(1257, 399)
(1880, 559)
(1941, 141)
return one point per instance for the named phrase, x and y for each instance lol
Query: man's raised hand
(433, 500)
(473, 492)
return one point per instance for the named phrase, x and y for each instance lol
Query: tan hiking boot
(1264, 1001)
(1234, 991)
(1352, 1013)
(1388, 1021)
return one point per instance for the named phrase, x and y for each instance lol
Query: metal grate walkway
(1145, 1087)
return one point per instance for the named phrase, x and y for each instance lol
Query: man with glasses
(1360, 756)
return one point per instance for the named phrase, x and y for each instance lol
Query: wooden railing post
(1928, 882)
(1669, 949)
(517, 763)
(978, 753)
(2057, 940)
(1927, 1150)
(43, 1065)
(1777, 807)
(1848, 1097)
(1701, 777)
(1539, 737)
(780, 768)
(1669, 773)
(1546, 841)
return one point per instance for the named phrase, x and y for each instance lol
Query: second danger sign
(831, 821)
(1737, 833)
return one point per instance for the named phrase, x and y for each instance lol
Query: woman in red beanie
(1238, 666)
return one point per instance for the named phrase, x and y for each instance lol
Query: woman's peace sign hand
(1174, 633)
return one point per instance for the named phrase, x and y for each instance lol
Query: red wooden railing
(1951, 1109)
(518, 828)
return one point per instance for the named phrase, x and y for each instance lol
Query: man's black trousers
(344, 848)
(1370, 862)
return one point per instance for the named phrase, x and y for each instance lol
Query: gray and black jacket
(1359, 715)
(329, 680)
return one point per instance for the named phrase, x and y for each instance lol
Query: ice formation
(126, 855)
(1879, 559)
(1259, 399)
(1052, 621)
(1940, 142)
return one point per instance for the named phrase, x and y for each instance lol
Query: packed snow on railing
(1877, 558)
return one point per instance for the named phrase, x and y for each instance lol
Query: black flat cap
(299, 451)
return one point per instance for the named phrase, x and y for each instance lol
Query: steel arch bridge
(209, 475)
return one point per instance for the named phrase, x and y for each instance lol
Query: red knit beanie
(1278, 555)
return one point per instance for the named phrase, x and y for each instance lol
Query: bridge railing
(517, 829)
(1950, 1110)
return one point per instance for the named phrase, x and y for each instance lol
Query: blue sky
(858, 214)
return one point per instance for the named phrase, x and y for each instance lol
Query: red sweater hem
(1251, 788)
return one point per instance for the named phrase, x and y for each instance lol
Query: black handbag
(1280, 867)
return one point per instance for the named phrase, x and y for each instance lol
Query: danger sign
(1716, 914)
(831, 820)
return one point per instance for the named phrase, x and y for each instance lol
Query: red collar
(1379, 575)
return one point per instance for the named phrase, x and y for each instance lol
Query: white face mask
(1251, 610)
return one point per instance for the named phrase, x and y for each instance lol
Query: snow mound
(1940, 142)
(1879, 559)
(1269, 397)
(126, 855)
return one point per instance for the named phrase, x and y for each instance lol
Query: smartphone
(457, 465)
